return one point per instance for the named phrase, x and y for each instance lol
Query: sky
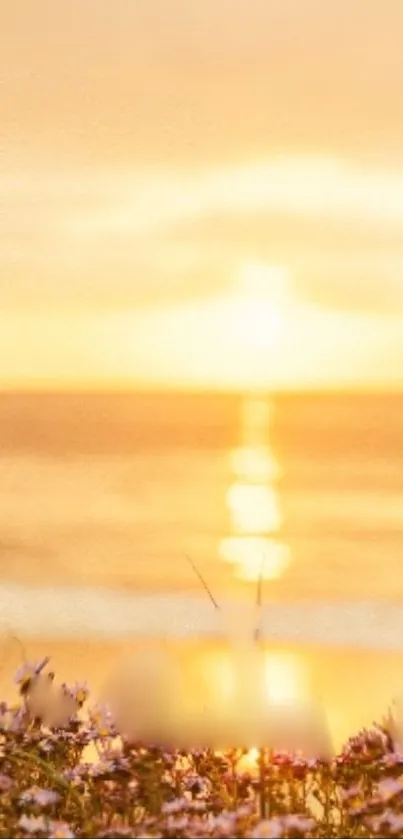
(201, 194)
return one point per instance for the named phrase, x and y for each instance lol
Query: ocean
(104, 499)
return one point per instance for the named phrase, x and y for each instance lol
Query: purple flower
(390, 822)
(60, 830)
(244, 811)
(123, 830)
(76, 773)
(392, 759)
(267, 829)
(389, 788)
(116, 757)
(13, 720)
(102, 722)
(177, 823)
(175, 806)
(32, 824)
(198, 785)
(224, 824)
(29, 671)
(42, 797)
(351, 793)
(47, 746)
(79, 692)
(103, 767)
(298, 824)
(197, 806)
(5, 782)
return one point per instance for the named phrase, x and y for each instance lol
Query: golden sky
(201, 193)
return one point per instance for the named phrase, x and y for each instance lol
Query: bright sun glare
(260, 303)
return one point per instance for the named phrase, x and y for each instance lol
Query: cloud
(331, 263)
(314, 187)
(106, 239)
(364, 287)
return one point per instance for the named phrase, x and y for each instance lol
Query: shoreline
(71, 611)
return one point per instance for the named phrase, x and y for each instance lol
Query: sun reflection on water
(253, 544)
(254, 508)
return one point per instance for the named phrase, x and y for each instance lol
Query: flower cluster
(50, 786)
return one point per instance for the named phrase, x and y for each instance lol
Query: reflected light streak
(256, 462)
(253, 502)
(250, 552)
(254, 508)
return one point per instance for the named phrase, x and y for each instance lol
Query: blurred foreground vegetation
(66, 771)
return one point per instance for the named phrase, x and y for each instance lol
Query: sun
(262, 279)
(260, 303)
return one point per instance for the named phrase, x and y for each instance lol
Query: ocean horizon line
(237, 393)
